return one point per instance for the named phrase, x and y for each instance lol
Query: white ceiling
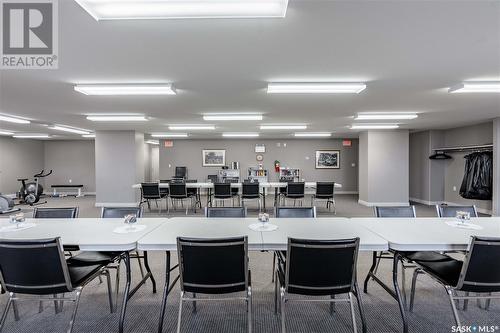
(408, 52)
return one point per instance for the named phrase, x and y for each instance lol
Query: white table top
(238, 185)
(91, 234)
(164, 238)
(428, 234)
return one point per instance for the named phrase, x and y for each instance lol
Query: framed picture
(214, 157)
(327, 159)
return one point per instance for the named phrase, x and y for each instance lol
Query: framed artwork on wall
(327, 159)
(214, 157)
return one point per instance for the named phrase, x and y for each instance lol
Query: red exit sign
(347, 143)
(168, 144)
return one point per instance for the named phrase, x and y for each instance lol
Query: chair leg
(332, 305)
(466, 302)
(453, 306)
(275, 277)
(5, 312)
(403, 283)
(194, 304)
(250, 317)
(487, 304)
(274, 266)
(416, 272)
(282, 308)
(15, 309)
(179, 316)
(353, 314)
(73, 316)
(359, 298)
(141, 268)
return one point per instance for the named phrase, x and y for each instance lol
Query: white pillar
(384, 168)
(496, 167)
(119, 163)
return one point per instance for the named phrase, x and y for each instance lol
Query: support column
(496, 167)
(119, 163)
(384, 168)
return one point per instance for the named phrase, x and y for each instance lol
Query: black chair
(251, 191)
(120, 212)
(194, 192)
(325, 191)
(151, 191)
(295, 191)
(233, 212)
(319, 268)
(214, 266)
(37, 268)
(181, 172)
(179, 193)
(295, 212)
(479, 273)
(222, 192)
(451, 211)
(165, 191)
(395, 211)
(55, 213)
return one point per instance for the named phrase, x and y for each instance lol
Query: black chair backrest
(283, 189)
(395, 211)
(213, 266)
(55, 213)
(451, 211)
(35, 267)
(178, 190)
(120, 212)
(295, 189)
(192, 190)
(165, 181)
(321, 267)
(222, 190)
(250, 190)
(325, 189)
(225, 212)
(481, 269)
(213, 178)
(181, 172)
(295, 212)
(150, 190)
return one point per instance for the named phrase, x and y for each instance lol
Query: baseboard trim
(382, 204)
(346, 192)
(116, 204)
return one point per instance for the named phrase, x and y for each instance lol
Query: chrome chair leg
(250, 316)
(353, 314)
(403, 282)
(413, 287)
(73, 316)
(282, 308)
(332, 305)
(487, 304)
(275, 277)
(5, 312)
(274, 266)
(15, 309)
(194, 304)
(453, 305)
(110, 292)
(179, 316)
(466, 302)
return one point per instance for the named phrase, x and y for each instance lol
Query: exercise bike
(30, 193)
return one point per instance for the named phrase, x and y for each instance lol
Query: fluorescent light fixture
(2, 132)
(89, 136)
(240, 135)
(111, 118)
(169, 135)
(69, 129)
(315, 87)
(476, 87)
(13, 119)
(282, 127)
(178, 9)
(190, 127)
(153, 142)
(375, 126)
(31, 136)
(386, 116)
(229, 116)
(313, 135)
(125, 89)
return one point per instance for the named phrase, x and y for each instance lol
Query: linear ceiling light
(386, 116)
(282, 127)
(13, 119)
(31, 136)
(177, 9)
(69, 129)
(375, 126)
(2, 132)
(190, 127)
(111, 118)
(313, 135)
(125, 89)
(153, 142)
(229, 116)
(89, 136)
(315, 88)
(240, 135)
(476, 87)
(169, 135)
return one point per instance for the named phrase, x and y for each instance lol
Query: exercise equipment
(30, 192)
(7, 205)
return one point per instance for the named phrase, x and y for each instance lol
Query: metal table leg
(148, 270)
(370, 272)
(166, 290)
(126, 260)
(264, 198)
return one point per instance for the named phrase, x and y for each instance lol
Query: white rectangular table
(164, 238)
(93, 234)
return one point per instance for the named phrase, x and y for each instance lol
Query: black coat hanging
(478, 178)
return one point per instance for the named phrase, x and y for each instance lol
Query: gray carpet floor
(432, 310)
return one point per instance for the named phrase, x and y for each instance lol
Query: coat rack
(440, 153)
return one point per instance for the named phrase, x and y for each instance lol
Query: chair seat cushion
(89, 258)
(448, 272)
(79, 274)
(425, 256)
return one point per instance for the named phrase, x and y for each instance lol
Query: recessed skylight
(231, 116)
(69, 129)
(374, 126)
(169, 135)
(112, 118)
(178, 9)
(15, 120)
(282, 127)
(190, 127)
(240, 135)
(386, 116)
(125, 89)
(315, 87)
(312, 135)
(476, 87)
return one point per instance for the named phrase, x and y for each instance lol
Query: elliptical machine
(30, 193)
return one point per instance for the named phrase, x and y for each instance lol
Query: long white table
(92, 234)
